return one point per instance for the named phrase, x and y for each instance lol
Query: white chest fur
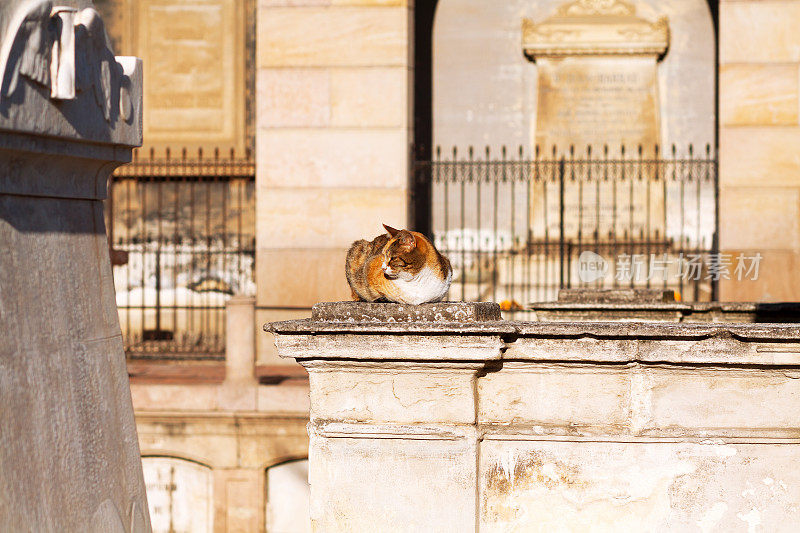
(425, 287)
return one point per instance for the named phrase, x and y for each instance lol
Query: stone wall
(332, 144)
(759, 53)
(442, 417)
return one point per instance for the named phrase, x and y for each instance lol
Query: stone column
(70, 112)
(394, 442)
(442, 418)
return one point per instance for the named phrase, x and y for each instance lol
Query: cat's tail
(354, 267)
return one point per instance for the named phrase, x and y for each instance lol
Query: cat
(399, 266)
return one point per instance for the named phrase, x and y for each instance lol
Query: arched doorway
(288, 497)
(179, 495)
(635, 80)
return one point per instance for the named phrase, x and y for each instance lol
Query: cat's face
(398, 258)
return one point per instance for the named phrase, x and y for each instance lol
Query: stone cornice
(595, 28)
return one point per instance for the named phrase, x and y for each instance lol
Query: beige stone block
(773, 283)
(758, 94)
(180, 438)
(756, 156)
(759, 32)
(331, 158)
(398, 394)
(760, 218)
(300, 278)
(266, 353)
(267, 441)
(538, 395)
(311, 36)
(292, 399)
(265, 4)
(369, 484)
(293, 98)
(725, 399)
(326, 218)
(369, 97)
(379, 3)
(179, 397)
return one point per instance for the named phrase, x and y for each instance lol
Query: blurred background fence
(182, 237)
(517, 227)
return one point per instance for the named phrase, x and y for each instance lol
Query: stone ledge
(573, 329)
(391, 313)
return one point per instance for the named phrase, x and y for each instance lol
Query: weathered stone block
(636, 485)
(332, 158)
(555, 396)
(293, 98)
(753, 94)
(370, 97)
(767, 218)
(429, 483)
(331, 218)
(402, 393)
(310, 36)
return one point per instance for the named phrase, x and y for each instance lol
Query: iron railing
(517, 227)
(182, 236)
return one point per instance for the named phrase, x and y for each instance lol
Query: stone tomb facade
(441, 418)
(597, 76)
(598, 87)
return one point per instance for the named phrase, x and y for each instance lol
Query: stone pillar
(70, 112)
(393, 443)
(239, 390)
(759, 171)
(332, 145)
(441, 417)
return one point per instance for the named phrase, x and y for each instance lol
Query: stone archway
(287, 509)
(179, 495)
(485, 92)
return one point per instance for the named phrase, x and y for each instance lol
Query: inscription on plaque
(597, 101)
(194, 72)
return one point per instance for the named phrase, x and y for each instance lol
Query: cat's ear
(391, 231)
(407, 240)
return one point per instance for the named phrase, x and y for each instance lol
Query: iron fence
(517, 227)
(182, 237)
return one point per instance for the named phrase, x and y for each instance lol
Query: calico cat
(398, 266)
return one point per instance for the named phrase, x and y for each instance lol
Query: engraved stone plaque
(597, 87)
(597, 101)
(194, 72)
